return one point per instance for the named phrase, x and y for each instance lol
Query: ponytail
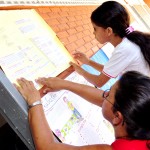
(113, 14)
(143, 41)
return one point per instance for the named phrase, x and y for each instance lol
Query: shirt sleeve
(117, 63)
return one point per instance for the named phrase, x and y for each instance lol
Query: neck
(120, 132)
(115, 40)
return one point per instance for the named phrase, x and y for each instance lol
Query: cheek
(107, 111)
(101, 38)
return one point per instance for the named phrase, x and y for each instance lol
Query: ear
(118, 118)
(109, 31)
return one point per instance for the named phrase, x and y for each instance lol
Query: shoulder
(126, 44)
(126, 48)
(125, 144)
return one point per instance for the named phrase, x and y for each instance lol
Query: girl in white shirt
(111, 23)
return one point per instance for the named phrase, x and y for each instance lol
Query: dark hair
(132, 99)
(113, 14)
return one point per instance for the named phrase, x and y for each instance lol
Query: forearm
(89, 93)
(96, 65)
(97, 80)
(40, 128)
(43, 137)
(41, 132)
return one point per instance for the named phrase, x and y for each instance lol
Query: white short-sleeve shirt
(126, 56)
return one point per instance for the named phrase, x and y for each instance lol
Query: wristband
(35, 104)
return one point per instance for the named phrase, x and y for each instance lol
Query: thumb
(73, 64)
(70, 62)
(46, 90)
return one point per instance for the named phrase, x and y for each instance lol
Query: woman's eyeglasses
(106, 94)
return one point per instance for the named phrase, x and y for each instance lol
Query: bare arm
(96, 65)
(43, 136)
(85, 60)
(89, 93)
(41, 132)
(97, 80)
(38, 124)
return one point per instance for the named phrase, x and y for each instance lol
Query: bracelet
(35, 104)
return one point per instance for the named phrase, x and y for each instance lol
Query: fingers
(81, 57)
(78, 55)
(70, 62)
(46, 90)
(73, 64)
(28, 90)
(18, 88)
(42, 81)
(76, 52)
(24, 83)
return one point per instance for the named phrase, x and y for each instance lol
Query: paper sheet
(29, 47)
(74, 120)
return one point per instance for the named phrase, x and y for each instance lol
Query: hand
(52, 84)
(77, 68)
(81, 57)
(28, 91)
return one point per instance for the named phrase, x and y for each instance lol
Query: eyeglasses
(106, 94)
